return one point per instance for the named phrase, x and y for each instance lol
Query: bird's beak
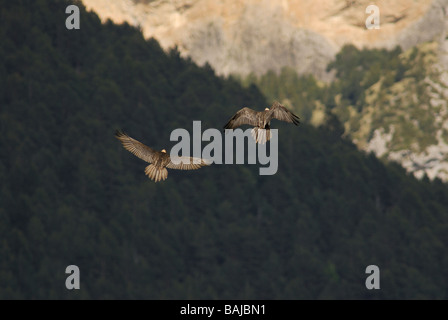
(163, 150)
(266, 109)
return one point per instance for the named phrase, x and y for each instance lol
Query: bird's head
(266, 109)
(163, 150)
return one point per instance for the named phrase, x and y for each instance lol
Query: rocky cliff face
(236, 36)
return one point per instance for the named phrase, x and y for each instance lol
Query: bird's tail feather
(156, 173)
(254, 133)
(261, 136)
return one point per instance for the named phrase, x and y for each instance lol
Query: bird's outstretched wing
(243, 116)
(279, 112)
(135, 147)
(187, 163)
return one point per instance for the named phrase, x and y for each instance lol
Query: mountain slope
(70, 194)
(262, 37)
(240, 37)
(390, 102)
(407, 120)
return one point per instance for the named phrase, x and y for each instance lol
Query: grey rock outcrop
(241, 37)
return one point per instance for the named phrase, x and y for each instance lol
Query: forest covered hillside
(71, 195)
(391, 102)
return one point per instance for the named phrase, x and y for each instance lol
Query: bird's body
(261, 120)
(159, 160)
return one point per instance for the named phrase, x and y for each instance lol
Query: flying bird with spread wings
(159, 160)
(261, 120)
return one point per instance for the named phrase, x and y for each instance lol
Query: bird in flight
(261, 120)
(159, 160)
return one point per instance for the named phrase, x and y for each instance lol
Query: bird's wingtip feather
(119, 133)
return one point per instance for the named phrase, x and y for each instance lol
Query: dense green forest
(70, 194)
(355, 71)
(379, 90)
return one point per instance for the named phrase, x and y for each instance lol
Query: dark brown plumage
(159, 160)
(261, 120)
